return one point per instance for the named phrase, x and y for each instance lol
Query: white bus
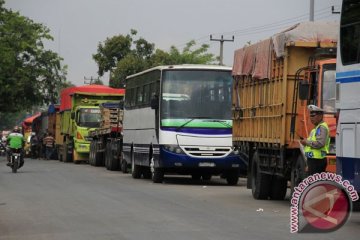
(348, 94)
(177, 120)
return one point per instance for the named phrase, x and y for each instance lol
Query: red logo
(325, 207)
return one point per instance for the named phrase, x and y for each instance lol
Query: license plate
(206, 164)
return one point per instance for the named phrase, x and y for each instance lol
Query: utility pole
(221, 40)
(312, 6)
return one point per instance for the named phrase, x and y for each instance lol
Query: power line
(268, 27)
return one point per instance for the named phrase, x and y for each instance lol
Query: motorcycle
(15, 160)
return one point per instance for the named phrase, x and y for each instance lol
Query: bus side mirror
(304, 87)
(154, 103)
(72, 115)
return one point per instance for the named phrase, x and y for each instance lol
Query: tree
(123, 56)
(29, 74)
(111, 51)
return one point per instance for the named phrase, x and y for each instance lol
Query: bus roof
(184, 66)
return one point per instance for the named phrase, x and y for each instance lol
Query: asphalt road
(55, 200)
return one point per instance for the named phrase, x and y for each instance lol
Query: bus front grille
(207, 151)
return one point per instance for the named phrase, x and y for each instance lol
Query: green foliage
(29, 74)
(123, 56)
(113, 50)
(9, 120)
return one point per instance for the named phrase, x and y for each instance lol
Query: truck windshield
(189, 93)
(328, 96)
(89, 117)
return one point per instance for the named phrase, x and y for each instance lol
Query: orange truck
(274, 81)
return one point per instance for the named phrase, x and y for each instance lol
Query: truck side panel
(264, 112)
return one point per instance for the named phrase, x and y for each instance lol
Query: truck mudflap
(331, 163)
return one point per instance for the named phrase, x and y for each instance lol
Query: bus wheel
(124, 166)
(297, 173)
(135, 169)
(232, 178)
(157, 174)
(260, 182)
(278, 188)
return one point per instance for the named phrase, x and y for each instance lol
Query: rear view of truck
(274, 81)
(106, 143)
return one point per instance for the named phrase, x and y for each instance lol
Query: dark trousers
(316, 165)
(49, 151)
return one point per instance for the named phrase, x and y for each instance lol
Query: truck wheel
(232, 178)
(297, 173)
(113, 161)
(157, 174)
(98, 161)
(278, 188)
(106, 157)
(91, 154)
(68, 156)
(135, 169)
(260, 182)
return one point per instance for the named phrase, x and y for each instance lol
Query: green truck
(79, 114)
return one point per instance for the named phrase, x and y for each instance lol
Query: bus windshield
(196, 94)
(329, 87)
(89, 117)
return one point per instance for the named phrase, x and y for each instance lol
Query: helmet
(16, 129)
(313, 108)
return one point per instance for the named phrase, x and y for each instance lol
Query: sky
(78, 26)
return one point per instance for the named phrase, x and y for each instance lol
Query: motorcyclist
(15, 142)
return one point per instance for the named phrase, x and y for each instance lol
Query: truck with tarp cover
(80, 114)
(274, 81)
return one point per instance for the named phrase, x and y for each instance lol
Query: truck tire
(112, 156)
(91, 154)
(106, 156)
(260, 182)
(278, 188)
(135, 169)
(68, 153)
(98, 160)
(297, 172)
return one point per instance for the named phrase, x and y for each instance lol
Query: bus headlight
(173, 149)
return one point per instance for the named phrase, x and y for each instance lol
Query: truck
(106, 143)
(274, 82)
(79, 114)
(27, 129)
